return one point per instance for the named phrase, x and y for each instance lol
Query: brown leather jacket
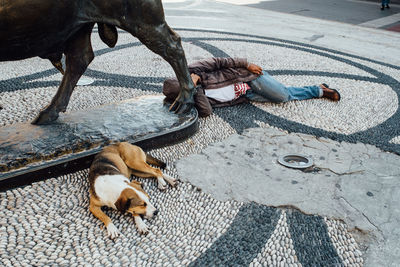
(214, 73)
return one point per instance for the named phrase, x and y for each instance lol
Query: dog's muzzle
(151, 211)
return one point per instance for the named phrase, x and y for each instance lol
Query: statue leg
(78, 55)
(164, 41)
(55, 59)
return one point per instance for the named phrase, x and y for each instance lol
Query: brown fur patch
(138, 186)
(107, 162)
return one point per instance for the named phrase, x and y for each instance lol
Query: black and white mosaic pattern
(48, 223)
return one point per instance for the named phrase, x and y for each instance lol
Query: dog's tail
(154, 161)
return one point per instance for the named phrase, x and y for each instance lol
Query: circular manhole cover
(296, 161)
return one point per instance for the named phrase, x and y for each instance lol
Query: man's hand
(254, 68)
(195, 78)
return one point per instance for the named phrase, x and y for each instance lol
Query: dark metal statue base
(30, 153)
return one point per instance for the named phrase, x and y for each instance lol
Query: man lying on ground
(229, 81)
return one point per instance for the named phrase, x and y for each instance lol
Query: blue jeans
(385, 2)
(266, 89)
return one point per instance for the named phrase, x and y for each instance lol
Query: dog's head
(135, 201)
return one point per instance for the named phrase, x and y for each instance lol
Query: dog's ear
(127, 198)
(122, 204)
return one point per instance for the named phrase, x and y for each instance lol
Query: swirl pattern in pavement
(49, 222)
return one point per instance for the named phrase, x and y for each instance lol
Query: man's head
(171, 89)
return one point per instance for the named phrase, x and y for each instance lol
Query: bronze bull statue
(50, 28)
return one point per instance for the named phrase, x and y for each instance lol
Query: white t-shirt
(223, 94)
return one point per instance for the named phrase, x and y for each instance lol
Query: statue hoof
(182, 104)
(45, 117)
(181, 107)
(184, 108)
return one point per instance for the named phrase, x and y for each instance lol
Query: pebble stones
(48, 223)
(395, 140)
(344, 243)
(279, 250)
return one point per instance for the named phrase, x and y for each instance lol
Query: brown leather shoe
(330, 93)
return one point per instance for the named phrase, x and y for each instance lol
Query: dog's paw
(171, 180)
(142, 228)
(112, 231)
(162, 185)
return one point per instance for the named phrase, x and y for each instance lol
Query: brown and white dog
(110, 185)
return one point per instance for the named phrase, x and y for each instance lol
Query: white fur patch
(141, 195)
(112, 231)
(162, 185)
(169, 179)
(141, 226)
(108, 188)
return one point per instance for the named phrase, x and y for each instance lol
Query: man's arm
(202, 103)
(217, 63)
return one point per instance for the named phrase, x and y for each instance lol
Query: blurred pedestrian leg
(385, 3)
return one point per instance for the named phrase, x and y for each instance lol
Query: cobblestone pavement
(48, 223)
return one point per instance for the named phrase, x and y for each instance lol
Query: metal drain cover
(296, 161)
